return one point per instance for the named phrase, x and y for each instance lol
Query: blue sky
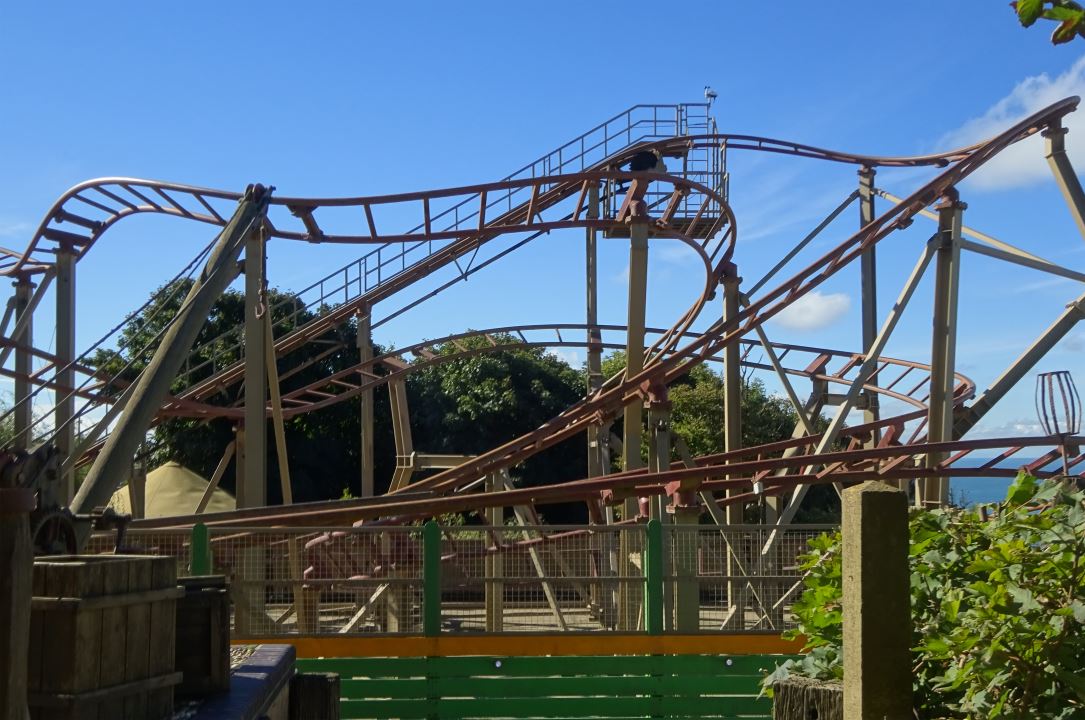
(350, 99)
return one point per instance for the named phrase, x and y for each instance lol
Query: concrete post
(365, 352)
(935, 491)
(64, 399)
(877, 604)
(255, 479)
(24, 409)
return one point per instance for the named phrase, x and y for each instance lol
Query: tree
(1069, 15)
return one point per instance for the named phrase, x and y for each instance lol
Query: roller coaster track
(482, 213)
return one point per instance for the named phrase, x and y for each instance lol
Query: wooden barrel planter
(800, 698)
(203, 636)
(102, 638)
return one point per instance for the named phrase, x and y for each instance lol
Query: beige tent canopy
(174, 490)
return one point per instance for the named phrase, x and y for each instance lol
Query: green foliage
(1069, 15)
(998, 607)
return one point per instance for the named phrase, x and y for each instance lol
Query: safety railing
(409, 580)
(638, 124)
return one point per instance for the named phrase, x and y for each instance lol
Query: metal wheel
(54, 534)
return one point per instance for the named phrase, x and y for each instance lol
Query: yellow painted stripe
(309, 646)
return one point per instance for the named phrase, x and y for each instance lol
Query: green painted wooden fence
(605, 686)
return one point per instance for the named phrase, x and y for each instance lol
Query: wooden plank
(162, 636)
(563, 644)
(33, 680)
(380, 709)
(114, 637)
(137, 645)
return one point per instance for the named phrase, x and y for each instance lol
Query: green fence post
(653, 578)
(431, 579)
(201, 550)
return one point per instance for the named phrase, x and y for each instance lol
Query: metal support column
(495, 563)
(255, 480)
(365, 352)
(634, 346)
(1064, 173)
(629, 596)
(598, 435)
(935, 491)
(64, 399)
(24, 415)
(868, 275)
(732, 440)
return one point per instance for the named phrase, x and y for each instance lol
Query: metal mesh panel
(722, 579)
(542, 579)
(314, 581)
(146, 542)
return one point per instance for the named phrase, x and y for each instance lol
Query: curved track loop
(902, 380)
(114, 198)
(608, 402)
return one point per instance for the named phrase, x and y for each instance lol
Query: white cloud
(1023, 163)
(814, 310)
(570, 357)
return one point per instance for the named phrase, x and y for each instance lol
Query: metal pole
(935, 491)
(65, 355)
(732, 440)
(365, 351)
(255, 480)
(869, 292)
(598, 462)
(24, 414)
(1064, 172)
(431, 580)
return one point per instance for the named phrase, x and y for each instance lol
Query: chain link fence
(503, 579)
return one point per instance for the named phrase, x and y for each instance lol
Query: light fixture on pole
(1058, 407)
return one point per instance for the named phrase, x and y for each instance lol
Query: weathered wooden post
(877, 604)
(16, 568)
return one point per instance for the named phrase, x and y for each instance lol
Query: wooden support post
(137, 489)
(365, 352)
(216, 478)
(877, 604)
(16, 569)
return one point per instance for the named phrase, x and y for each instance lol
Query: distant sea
(976, 490)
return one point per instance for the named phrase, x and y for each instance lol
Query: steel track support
(598, 435)
(150, 389)
(365, 353)
(870, 362)
(253, 491)
(1064, 172)
(629, 597)
(1020, 367)
(64, 396)
(495, 563)
(868, 278)
(401, 431)
(730, 282)
(24, 407)
(934, 492)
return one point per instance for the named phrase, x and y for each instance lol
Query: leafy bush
(998, 607)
